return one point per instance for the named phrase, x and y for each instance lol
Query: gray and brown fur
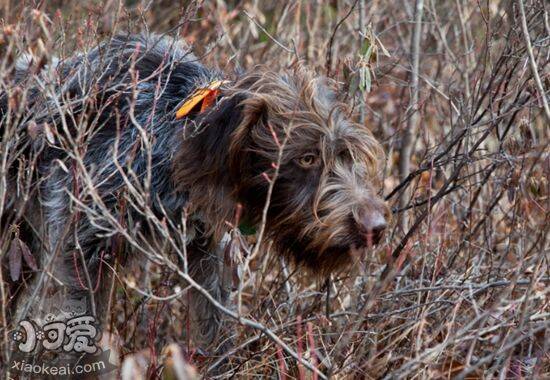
(324, 203)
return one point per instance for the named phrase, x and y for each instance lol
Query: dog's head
(297, 139)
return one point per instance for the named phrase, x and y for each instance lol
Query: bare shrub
(459, 290)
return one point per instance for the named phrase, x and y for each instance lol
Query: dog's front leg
(69, 273)
(209, 269)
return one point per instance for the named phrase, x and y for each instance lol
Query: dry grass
(462, 291)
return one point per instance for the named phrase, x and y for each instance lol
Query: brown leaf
(27, 255)
(14, 255)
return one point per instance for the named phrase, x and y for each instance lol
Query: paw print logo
(17, 336)
(40, 335)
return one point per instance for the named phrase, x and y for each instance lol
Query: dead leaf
(14, 255)
(27, 255)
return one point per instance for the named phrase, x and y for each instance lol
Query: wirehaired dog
(279, 142)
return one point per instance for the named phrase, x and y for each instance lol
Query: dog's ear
(254, 115)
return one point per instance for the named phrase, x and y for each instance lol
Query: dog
(156, 128)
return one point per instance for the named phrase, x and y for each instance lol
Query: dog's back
(98, 105)
(126, 73)
(126, 83)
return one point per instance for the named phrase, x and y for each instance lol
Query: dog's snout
(372, 225)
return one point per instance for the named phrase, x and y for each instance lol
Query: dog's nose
(372, 225)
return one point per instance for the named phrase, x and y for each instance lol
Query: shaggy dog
(278, 147)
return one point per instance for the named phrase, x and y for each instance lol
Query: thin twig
(410, 129)
(532, 61)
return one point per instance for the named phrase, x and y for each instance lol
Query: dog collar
(247, 229)
(204, 95)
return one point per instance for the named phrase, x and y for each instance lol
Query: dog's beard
(321, 258)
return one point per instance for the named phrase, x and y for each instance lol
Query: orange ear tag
(205, 95)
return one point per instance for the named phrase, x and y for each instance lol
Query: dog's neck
(202, 168)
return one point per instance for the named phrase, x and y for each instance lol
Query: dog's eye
(307, 160)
